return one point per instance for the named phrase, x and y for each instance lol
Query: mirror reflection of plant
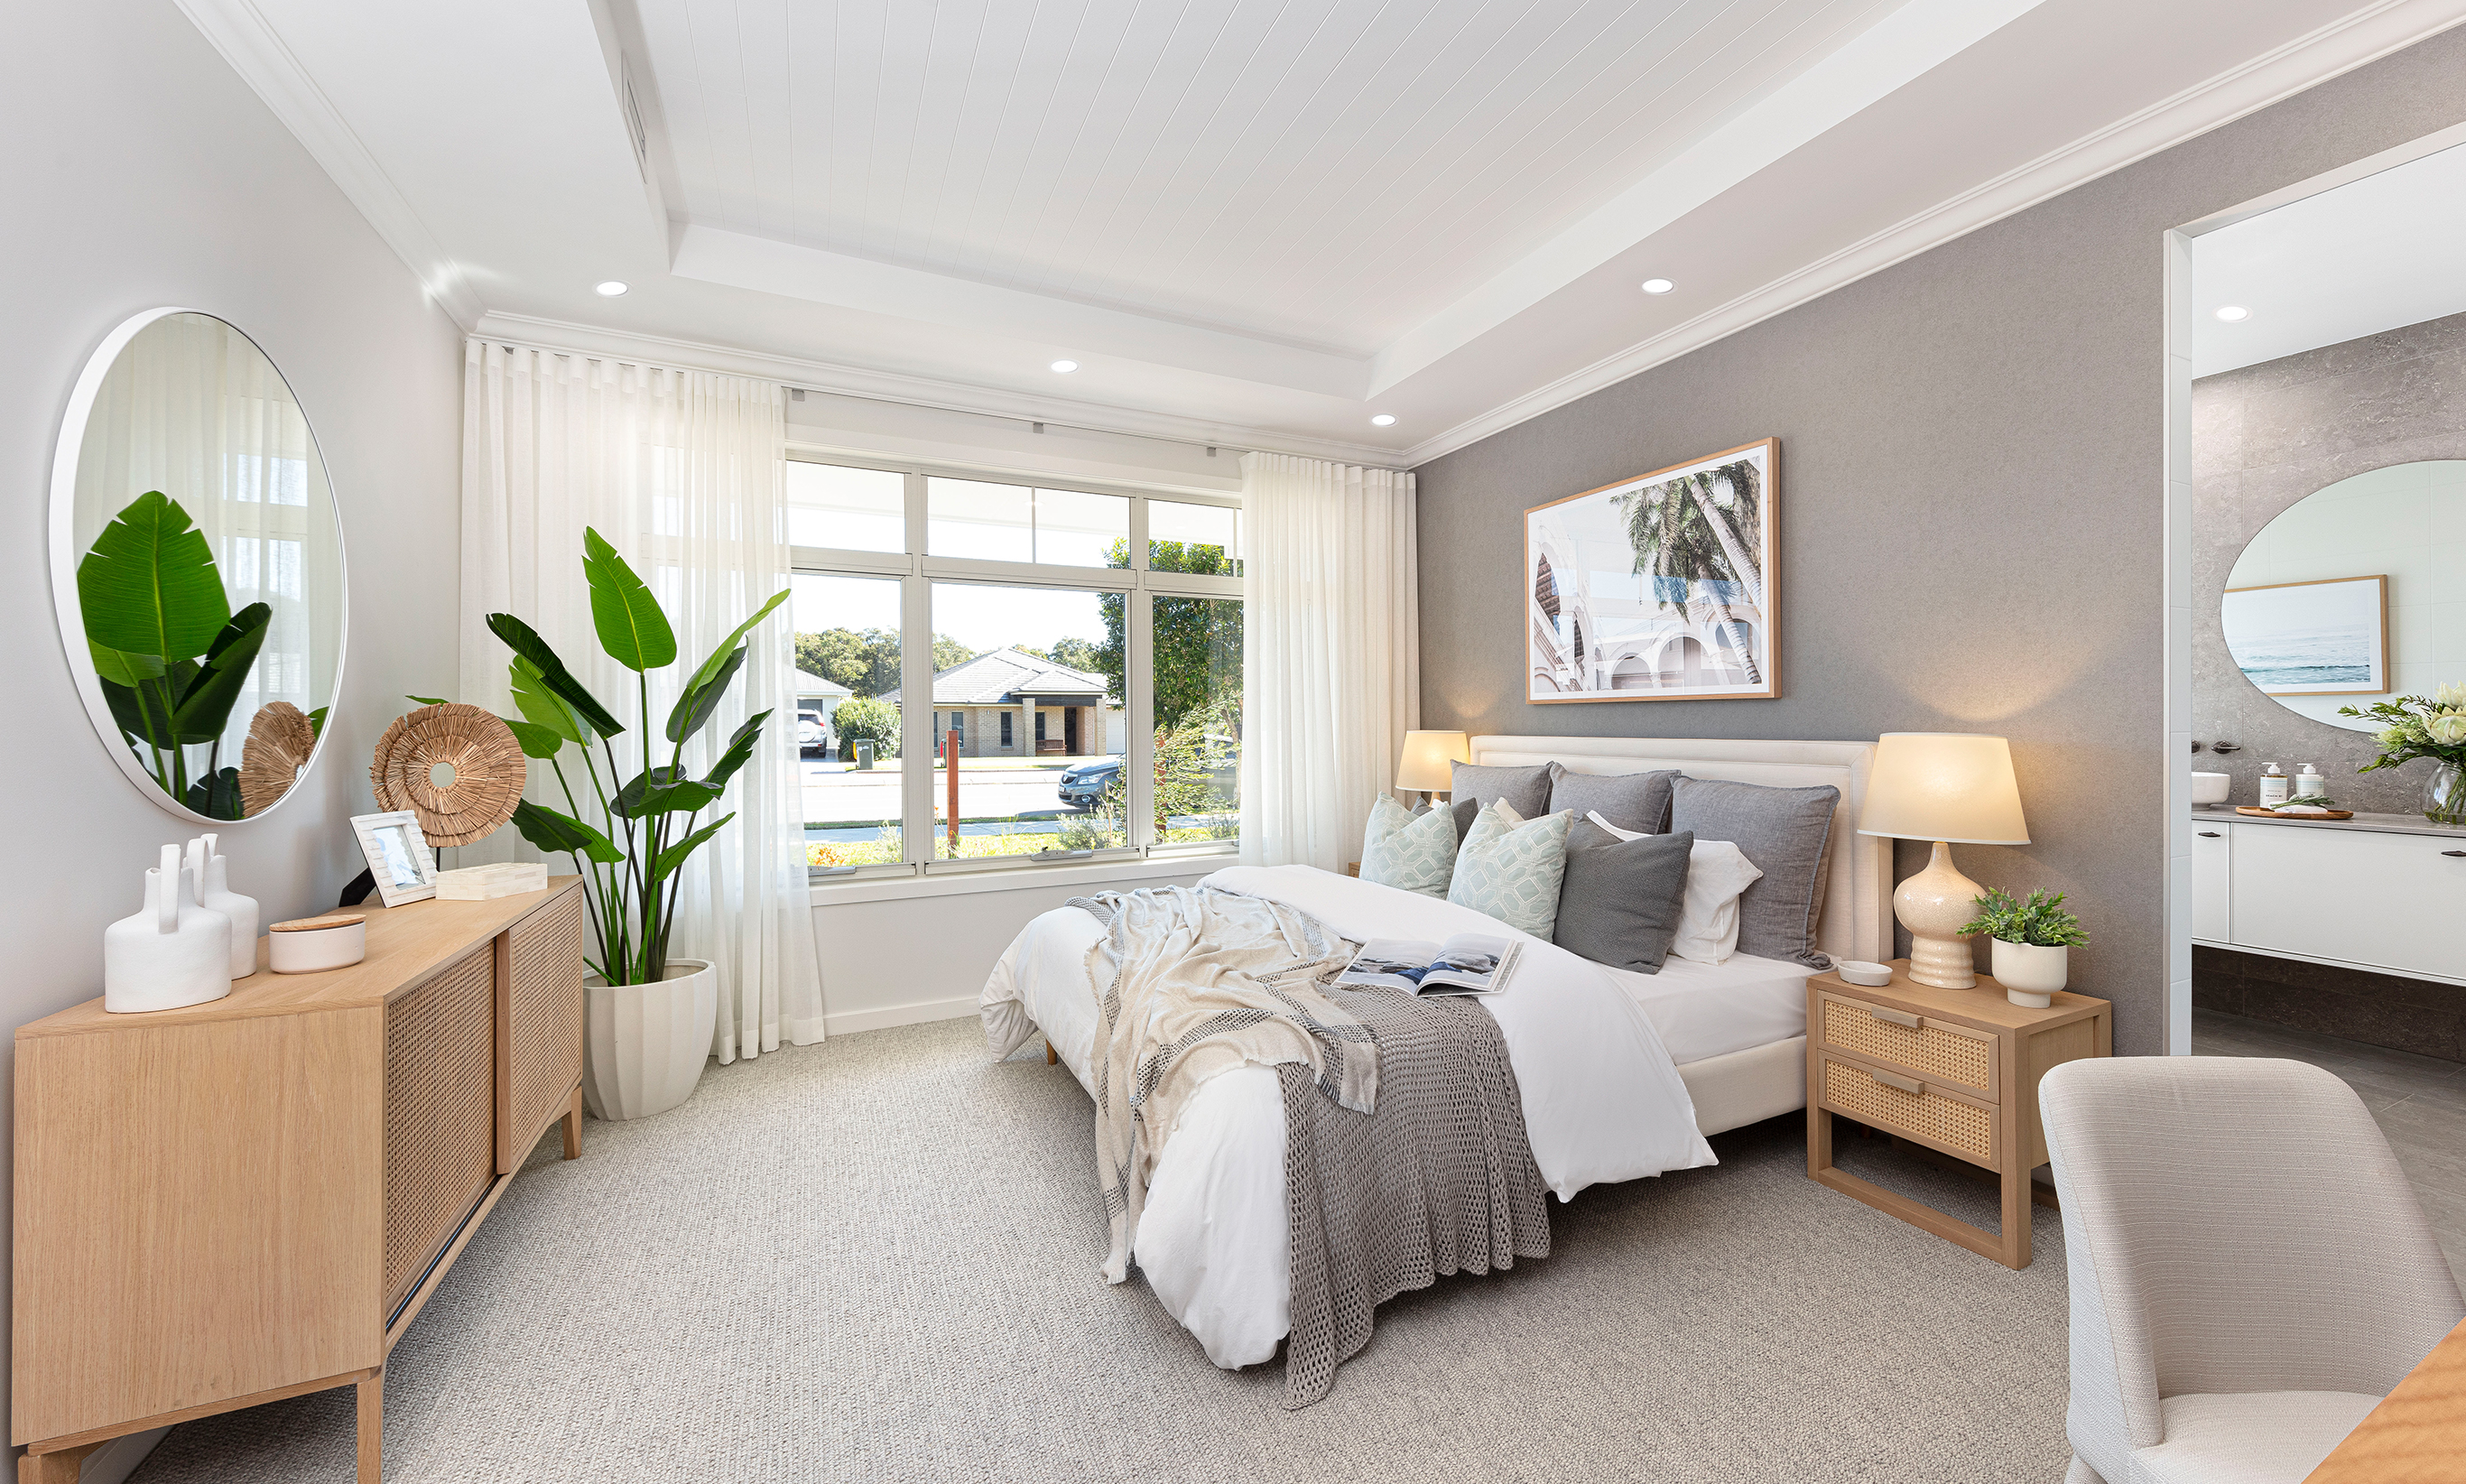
(631, 861)
(171, 656)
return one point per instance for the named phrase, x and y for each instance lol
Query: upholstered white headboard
(1857, 921)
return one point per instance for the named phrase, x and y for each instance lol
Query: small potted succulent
(2033, 944)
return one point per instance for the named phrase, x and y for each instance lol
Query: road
(834, 795)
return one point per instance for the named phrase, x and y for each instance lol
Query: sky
(979, 616)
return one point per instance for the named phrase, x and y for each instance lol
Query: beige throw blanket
(1191, 981)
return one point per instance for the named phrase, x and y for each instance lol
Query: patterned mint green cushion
(1416, 852)
(1511, 870)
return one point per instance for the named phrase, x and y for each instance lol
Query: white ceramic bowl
(312, 945)
(1857, 971)
(2210, 788)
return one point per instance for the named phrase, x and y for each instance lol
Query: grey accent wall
(1971, 469)
(142, 171)
(2263, 437)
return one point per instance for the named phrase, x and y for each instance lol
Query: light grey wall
(2263, 437)
(141, 171)
(1970, 474)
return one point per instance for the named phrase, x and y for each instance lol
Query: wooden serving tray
(2272, 814)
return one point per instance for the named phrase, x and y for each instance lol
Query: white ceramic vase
(648, 1043)
(173, 953)
(211, 875)
(2031, 974)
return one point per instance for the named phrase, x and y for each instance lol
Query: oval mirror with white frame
(197, 566)
(2353, 595)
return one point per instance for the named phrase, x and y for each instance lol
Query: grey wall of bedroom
(143, 171)
(1971, 467)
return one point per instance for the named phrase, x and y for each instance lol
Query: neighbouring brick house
(1009, 703)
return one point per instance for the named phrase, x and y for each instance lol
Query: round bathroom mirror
(196, 566)
(2355, 594)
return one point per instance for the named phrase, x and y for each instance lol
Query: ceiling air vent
(632, 102)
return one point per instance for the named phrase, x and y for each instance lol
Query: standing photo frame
(398, 856)
(1664, 586)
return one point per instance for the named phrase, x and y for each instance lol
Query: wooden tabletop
(1984, 1005)
(2417, 1435)
(403, 943)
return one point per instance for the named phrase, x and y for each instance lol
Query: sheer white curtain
(1331, 639)
(682, 472)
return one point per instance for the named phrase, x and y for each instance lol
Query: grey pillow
(1526, 790)
(1629, 801)
(1467, 811)
(1619, 900)
(1786, 833)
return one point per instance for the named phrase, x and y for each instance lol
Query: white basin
(2210, 788)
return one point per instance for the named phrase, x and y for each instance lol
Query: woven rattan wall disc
(279, 740)
(488, 763)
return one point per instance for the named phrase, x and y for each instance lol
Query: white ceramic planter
(648, 1043)
(2031, 975)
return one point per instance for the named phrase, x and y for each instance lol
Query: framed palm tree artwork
(1658, 588)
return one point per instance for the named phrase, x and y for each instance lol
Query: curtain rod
(1039, 424)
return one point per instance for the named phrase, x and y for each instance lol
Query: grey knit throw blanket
(1438, 1180)
(1405, 1156)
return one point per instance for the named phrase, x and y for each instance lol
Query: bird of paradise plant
(650, 823)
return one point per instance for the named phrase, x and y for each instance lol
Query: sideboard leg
(60, 1467)
(572, 1121)
(372, 1429)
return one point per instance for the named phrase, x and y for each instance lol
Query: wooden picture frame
(2349, 631)
(399, 856)
(1700, 616)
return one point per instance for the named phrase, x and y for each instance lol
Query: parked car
(812, 738)
(1084, 784)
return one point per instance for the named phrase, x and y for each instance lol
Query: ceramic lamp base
(1933, 905)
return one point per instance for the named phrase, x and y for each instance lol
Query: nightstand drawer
(1937, 1052)
(1953, 1124)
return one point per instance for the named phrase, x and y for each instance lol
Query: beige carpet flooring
(877, 1259)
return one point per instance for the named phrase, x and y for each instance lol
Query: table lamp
(1951, 788)
(1428, 760)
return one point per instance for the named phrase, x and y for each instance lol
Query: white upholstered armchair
(2250, 1270)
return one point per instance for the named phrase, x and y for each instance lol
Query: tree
(866, 717)
(1198, 643)
(1078, 654)
(947, 652)
(866, 661)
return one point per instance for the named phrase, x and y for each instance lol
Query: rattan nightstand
(1953, 1069)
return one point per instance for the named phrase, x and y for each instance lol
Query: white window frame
(917, 570)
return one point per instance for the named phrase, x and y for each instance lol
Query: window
(1094, 636)
(848, 670)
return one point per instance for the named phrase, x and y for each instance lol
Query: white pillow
(1717, 870)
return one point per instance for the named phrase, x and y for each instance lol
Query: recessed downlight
(611, 288)
(1066, 367)
(2233, 313)
(1383, 421)
(1658, 285)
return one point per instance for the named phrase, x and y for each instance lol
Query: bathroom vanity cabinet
(2380, 891)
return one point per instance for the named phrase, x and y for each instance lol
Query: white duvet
(1602, 1100)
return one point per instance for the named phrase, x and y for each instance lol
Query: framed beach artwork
(1658, 588)
(2326, 637)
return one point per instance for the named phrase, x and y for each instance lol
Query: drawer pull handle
(2454, 852)
(1894, 1016)
(1905, 1084)
(2209, 834)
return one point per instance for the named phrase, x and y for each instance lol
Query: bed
(1727, 1040)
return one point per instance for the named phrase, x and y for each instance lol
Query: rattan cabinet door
(440, 1114)
(543, 1023)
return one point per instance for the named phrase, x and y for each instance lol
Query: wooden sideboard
(250, 1200)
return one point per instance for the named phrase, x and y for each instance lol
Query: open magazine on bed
(1468, 963)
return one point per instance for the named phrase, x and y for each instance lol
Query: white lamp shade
(1429, 759)
(1952, 786)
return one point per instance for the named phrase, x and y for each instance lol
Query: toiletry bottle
(2272, 786)
(2309, 784)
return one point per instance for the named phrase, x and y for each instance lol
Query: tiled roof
(999, 675)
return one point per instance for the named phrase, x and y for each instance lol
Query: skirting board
(849, 1021)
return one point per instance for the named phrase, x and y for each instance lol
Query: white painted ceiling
(2371, 254)
(1253, 222)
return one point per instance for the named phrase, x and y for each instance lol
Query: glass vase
(2444, 795)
